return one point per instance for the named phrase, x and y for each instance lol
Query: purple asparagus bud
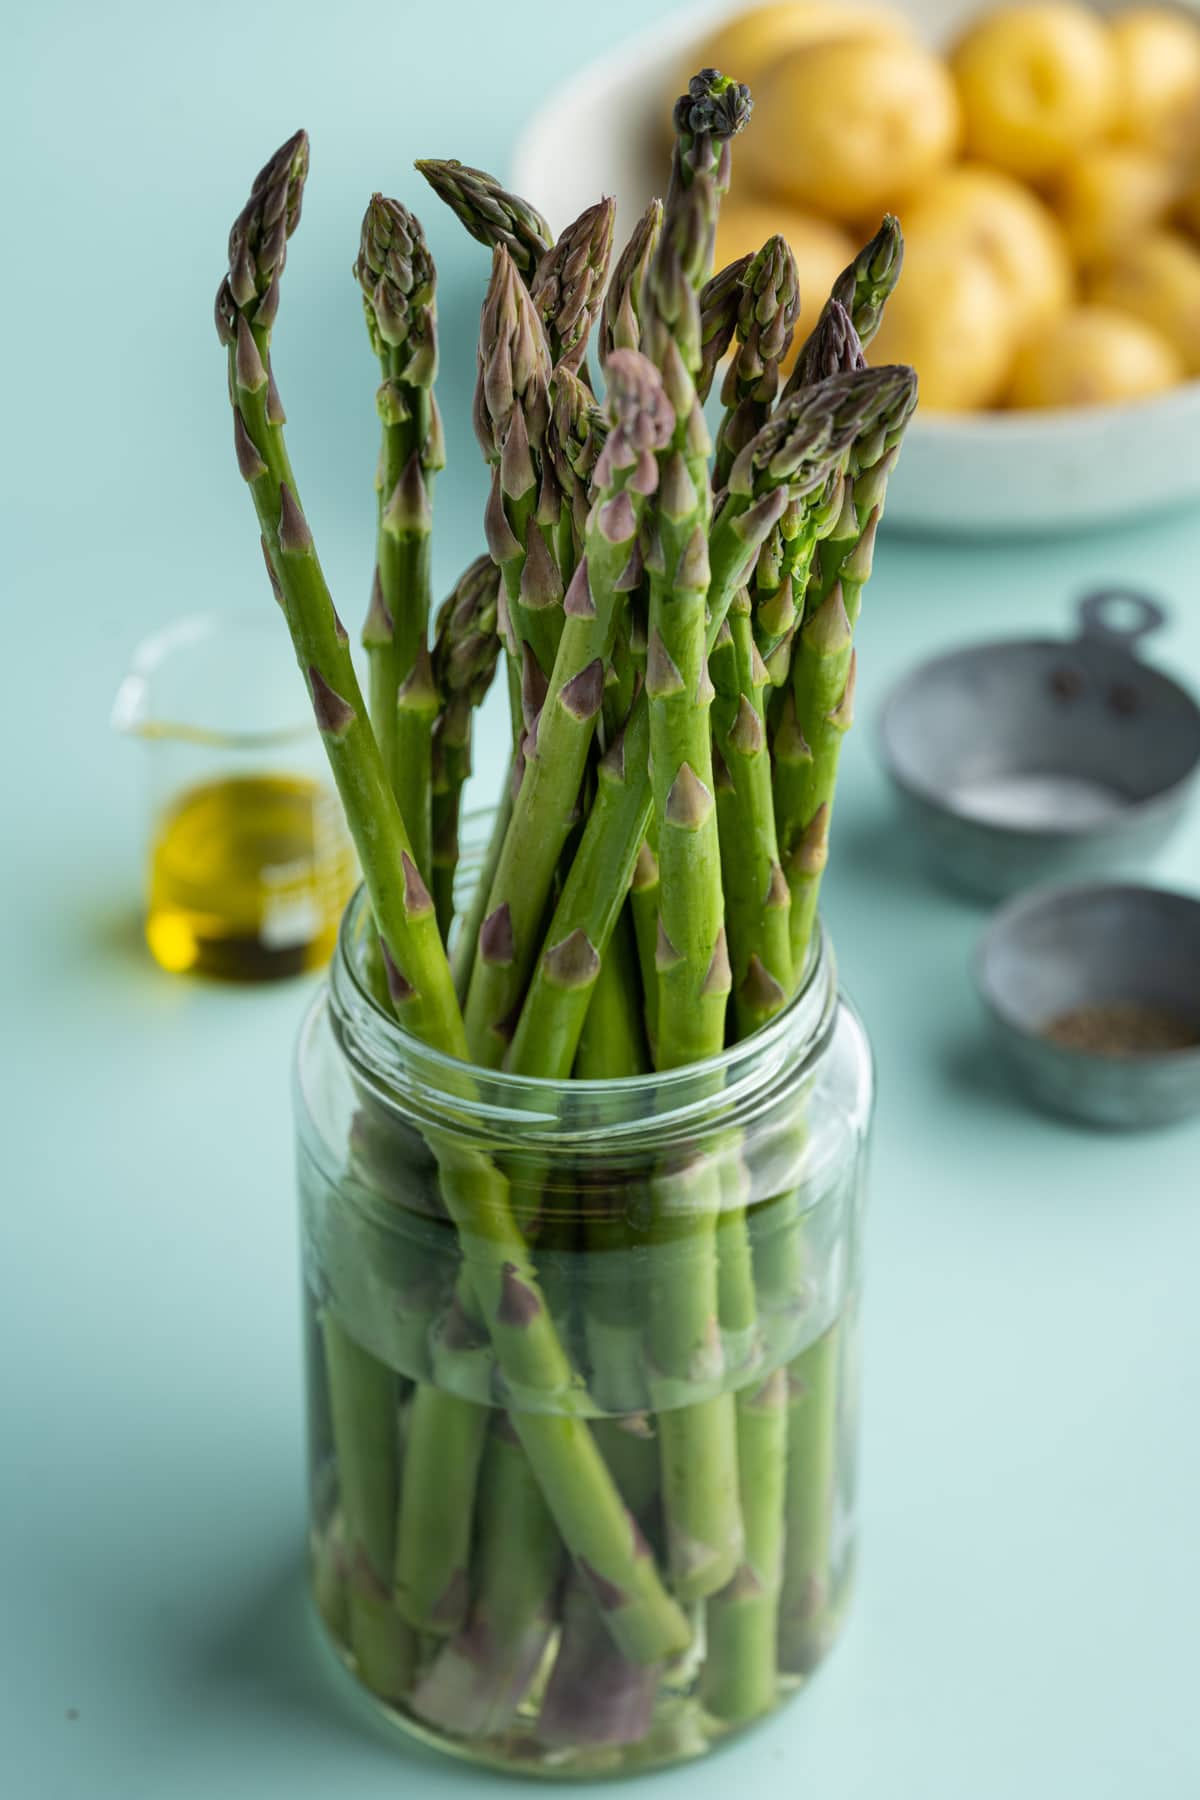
(491, 214)
(568, 284)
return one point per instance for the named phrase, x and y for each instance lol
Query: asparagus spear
(698, 1442)
(643, 907)
(811, 1459)
(590, 1514)
(611, 1047)
(768, 306)
(362, 1405)
(621, 313)
(784, 562)
(612, 1042)
(551, 1020)
(398, 281)
(247, 301)
(433, 1534)
(720, 300)
(478, 1680)
(595, 1696)
(575, 439)
(462, 960)
(567, 286)
(820, 705)
(740, 1679)
(862, 289)
(756, 891)
(512, 414)
(693, 965)
(491, 214)
(641, 419)
(465, 649)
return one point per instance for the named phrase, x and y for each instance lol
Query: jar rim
(428, 1080)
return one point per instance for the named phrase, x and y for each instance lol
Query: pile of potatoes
(1046, 171)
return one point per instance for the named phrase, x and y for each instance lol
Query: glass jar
(249, 864)
(618, 1524)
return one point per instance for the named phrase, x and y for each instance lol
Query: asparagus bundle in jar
(573, 1506)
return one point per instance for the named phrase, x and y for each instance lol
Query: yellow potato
(976, 211)
(951, 319)
(1158, 84)
(1158, 280)
(748, 42)
(821, 248)
(1188, 209)
(850, 127)
(1036, 83)
(1092, 356)
(1111, 194)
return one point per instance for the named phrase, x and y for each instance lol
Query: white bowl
(960, 473)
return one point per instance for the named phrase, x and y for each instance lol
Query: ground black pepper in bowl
(1122, 1028)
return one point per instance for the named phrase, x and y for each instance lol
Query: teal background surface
(1030, 1575)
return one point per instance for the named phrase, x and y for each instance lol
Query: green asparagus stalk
(756, 892)
(567, 286)
(862, 288)
(640, 421)
(465, 650)
(479, 1679)
(621, 313)
(755, 888)
(740, 1672)
(782, 571)
(462, 959)
(698, 1442)
(578, 428)
(552, 1017)
(768, 307)
(693, 964)
(433, 1536)
(820, 706)
(612, 1043)
(643, 907)
(832, 347)
(737, 1299)
(720, 302)
(811, 1469)
(398, 281)
(512, 414)
(595, 1697)
(491, 214)
(590, 1514)
(247, 301)
(612, 1047)
(363, 1402)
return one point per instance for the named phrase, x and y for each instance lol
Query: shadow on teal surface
(269, 1659)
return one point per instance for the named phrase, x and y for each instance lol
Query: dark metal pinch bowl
(1033, 760)
(1120, 965)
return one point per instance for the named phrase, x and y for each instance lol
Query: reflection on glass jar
(249, 861)
(615, 1522)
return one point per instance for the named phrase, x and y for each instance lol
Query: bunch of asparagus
(675, 614)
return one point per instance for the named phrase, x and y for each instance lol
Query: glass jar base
(680, 1728)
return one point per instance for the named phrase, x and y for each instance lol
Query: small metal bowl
(1035, 760)
(1094, 998)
